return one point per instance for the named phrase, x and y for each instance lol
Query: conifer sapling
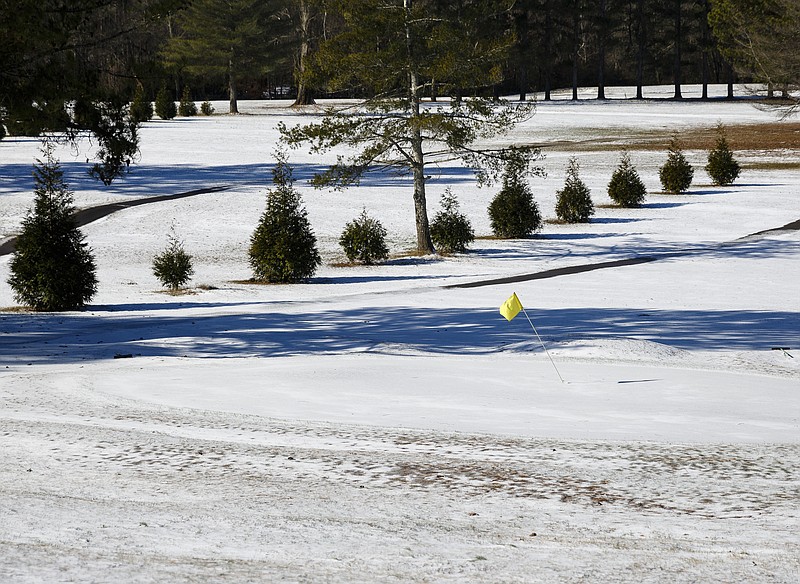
(283, 248)
(626, 188)
(676, 174)
(722, 167)
(364, 240)
(173, 266)
(451, 231)
(52, 268)
(574, 201)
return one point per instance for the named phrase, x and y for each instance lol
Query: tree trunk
(576, 23)
(424, 243)
(234, 104)
(640, 42)
(548, 50)
(677, 65)
(304, 96)
(705, 49)
(731, 75)
(601, 52)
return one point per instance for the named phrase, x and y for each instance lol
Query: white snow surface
(378, 424)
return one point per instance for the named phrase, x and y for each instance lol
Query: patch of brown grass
(767, 136)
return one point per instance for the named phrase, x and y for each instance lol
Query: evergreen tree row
(53, 269)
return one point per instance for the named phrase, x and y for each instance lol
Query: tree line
(73, 66)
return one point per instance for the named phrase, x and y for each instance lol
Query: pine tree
(722, 167)
(173, 266)
(394, 51)
(364, 240)
(165, 106)
(226, 39)
(574, 201)
(513, 212)
(141, 108)
(626, 188)
(283, 248)
(676, 174)
(451, 231)
(52, 268)
(186, 107)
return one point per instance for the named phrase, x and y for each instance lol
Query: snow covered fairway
(386, 423)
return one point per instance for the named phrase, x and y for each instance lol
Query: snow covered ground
(384, 423)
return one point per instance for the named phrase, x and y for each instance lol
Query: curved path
(793, 226)
(85, 216)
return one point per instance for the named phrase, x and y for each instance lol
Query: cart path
(86, 216)
(91, 214)
(579, 269)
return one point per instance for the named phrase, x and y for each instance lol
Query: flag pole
(525, 312)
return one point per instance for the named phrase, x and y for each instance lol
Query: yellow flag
(511, 307)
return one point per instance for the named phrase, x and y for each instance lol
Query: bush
(626, 189)
(2, 130)
(52, 268)
(165, 106)
(722, 167)
(364, 240)
(574, 201)
(451, 231)
(283, 248)
(186, 107)
(513, 212)
(141, 108)
(206, 108)
(173, 266)
(676, 174)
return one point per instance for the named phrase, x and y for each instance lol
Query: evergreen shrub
(676, 174)
(141, 109)
(173, 266)
(574, 201)
(165, 106)
(513, 212)
(364, 240)
(626, 188)
(283, 248)
(186, 107)
(451, 231)
(52, 268)
(722, 167)
(206, 108)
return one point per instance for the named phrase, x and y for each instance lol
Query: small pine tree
(574, 201)
(186, 107)
(364, 240)
(283, 248)
(173, 266)
(141, 109)
(626, 189)
(206, 108)
(165, 106)
(451, 231)
(513, 212)
(676, 174)
(52, 268)
(722, 167)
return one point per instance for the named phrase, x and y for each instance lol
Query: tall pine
(396, 52)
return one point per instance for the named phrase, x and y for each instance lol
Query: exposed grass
(773, 136)
(17, 309)
(773, 165)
